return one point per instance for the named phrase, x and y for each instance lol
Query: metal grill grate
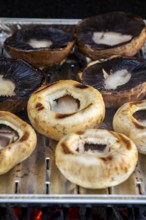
(37, 179)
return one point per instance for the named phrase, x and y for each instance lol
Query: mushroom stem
(105, 74)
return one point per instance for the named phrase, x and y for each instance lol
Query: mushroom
(40, 45)
(18, 79)
(65, 106)
(17, 141)
(108, 160)
(119, 79)
(130, 119)
(114, 33)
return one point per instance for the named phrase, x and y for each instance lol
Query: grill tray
(37, 179)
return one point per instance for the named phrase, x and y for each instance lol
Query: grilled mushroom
(65, 106)
(119, 79)
(130, 119)
(18, 80)
(96, 158)
(115, 33)
(40, 45)
(17, 141)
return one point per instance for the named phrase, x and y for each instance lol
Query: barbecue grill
(37, 187)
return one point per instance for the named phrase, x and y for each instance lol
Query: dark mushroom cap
(18, 45)
(21, 37)
(26, 78)
(133, 89)
(117, 22)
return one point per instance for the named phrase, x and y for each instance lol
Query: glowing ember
(37, 214)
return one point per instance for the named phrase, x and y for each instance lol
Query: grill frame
(64, 199)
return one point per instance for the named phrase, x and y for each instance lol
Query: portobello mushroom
(40, 45)
(114, 33)
(119, 79)
(18, 79)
